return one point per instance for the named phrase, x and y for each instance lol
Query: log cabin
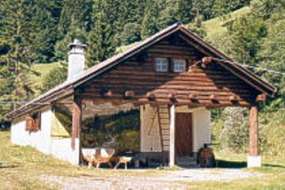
(173, 78)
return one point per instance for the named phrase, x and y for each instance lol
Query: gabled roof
(68, 87)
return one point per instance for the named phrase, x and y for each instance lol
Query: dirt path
(170, 180)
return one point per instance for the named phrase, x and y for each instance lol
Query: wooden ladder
(163, 123)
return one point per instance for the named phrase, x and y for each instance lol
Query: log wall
(213, 86)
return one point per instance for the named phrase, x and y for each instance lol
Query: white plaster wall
(19, 135)
(40, 139)
(201, 128)
(149, 131)
(61, 149)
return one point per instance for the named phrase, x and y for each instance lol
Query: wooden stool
(123, 160)
(97, 156)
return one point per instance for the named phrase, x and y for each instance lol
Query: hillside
(217, 26)
(41, 70)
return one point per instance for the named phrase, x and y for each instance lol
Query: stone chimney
(76, 59)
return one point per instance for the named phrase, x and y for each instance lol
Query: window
(179, 65)
(161, 64)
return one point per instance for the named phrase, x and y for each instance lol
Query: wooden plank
(253, 131)
(148, 82)
(172, 136)
(163, 93)
(148, 87)
(160, 127)
(76, 121)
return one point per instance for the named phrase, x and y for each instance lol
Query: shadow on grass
(230, 164)
(7, 166)
(274, 165)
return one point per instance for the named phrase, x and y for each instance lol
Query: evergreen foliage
(246, 35)
(16, 51)
(130, 34)
(101, 37)
(150, 23)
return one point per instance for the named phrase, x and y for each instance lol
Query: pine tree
(246, 35)
(175, 11)
(203, 8)
(222, 7)
(150, 23)
(16, 51)
(129, 13)
(61, 47)
(168, 14)
(185, 11)
(45, 17)
(101, 43)
(76, 12)
(130, 34)
(75, 22)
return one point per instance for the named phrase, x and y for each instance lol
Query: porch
(159, 134)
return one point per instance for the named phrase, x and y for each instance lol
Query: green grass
(41, 70)
(21, 167)
(217, 26)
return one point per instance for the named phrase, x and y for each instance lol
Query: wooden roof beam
(192, 97)
(206, 61)
(150, 96)
(129, 94)
(106, 93)
(172, 97)
(261, 97)
(233, 98)
(214, 98)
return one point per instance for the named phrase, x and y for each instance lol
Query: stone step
(186, 161)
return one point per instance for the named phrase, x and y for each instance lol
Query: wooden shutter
(33, 122)
(29, 123)
(37, 120)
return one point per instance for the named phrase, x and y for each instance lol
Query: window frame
(175, 63)
(158, 68)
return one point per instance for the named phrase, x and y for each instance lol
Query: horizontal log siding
(142, 78)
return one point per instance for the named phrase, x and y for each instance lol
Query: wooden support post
(254, 159)
(76, 121)
(172, 136)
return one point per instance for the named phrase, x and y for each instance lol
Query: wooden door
(183, 134)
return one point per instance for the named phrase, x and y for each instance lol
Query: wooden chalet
(173, 77)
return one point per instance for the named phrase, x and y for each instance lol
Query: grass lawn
(217, 26)
(273, 174)
(42, 70)
(21, 167)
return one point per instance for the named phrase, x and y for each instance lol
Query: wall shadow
(230, 164)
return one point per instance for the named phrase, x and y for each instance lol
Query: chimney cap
(77, 43)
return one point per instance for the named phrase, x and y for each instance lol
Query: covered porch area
(155, 133)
